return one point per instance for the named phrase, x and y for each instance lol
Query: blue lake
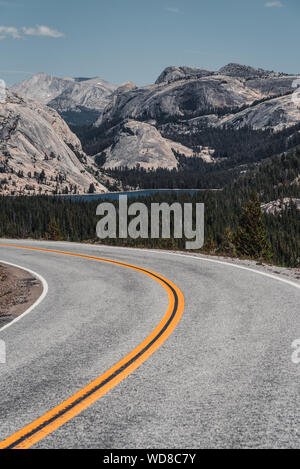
(134, 194)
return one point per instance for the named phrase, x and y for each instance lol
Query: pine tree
(250, 238)
(210, 245)
(54, 232)
(227, 246)
(92, 189)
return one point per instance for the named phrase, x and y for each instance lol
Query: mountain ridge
(195, 99)
(69, 96)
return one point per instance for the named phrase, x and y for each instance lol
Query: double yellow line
(55, 418)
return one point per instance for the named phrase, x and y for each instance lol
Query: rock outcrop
(186, 93)
(39, 153)
(138, 143)
(181, 73)
(276, 114)
(181, 99)
(276, 207)
(112, 99)
(245, 71)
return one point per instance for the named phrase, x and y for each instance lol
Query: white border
(38, 301)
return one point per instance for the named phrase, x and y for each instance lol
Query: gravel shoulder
(18, 291)
(285, 272)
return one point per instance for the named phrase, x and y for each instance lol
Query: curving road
(224, 377)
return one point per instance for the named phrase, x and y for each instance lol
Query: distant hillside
(206, 124)
(185, 105)
(78, 100)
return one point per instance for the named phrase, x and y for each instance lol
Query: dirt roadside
(18, 291)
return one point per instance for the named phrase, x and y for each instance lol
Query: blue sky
(134, 40)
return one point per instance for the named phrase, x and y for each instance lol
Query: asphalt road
(223, 379)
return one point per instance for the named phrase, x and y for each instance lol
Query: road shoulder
(19, 290)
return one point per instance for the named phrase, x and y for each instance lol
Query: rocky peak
(41, 87)
(124, 87)
(171, 74)
(244, 71)
(66, 93)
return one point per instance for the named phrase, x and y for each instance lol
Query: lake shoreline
(132, 194)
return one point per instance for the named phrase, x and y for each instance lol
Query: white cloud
(173, 9)
(41, 30)
(9, 31)
(38, 30)
(273, 5)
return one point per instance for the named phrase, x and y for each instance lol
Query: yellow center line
(59, 415)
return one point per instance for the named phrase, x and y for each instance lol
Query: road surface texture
(223, 379)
